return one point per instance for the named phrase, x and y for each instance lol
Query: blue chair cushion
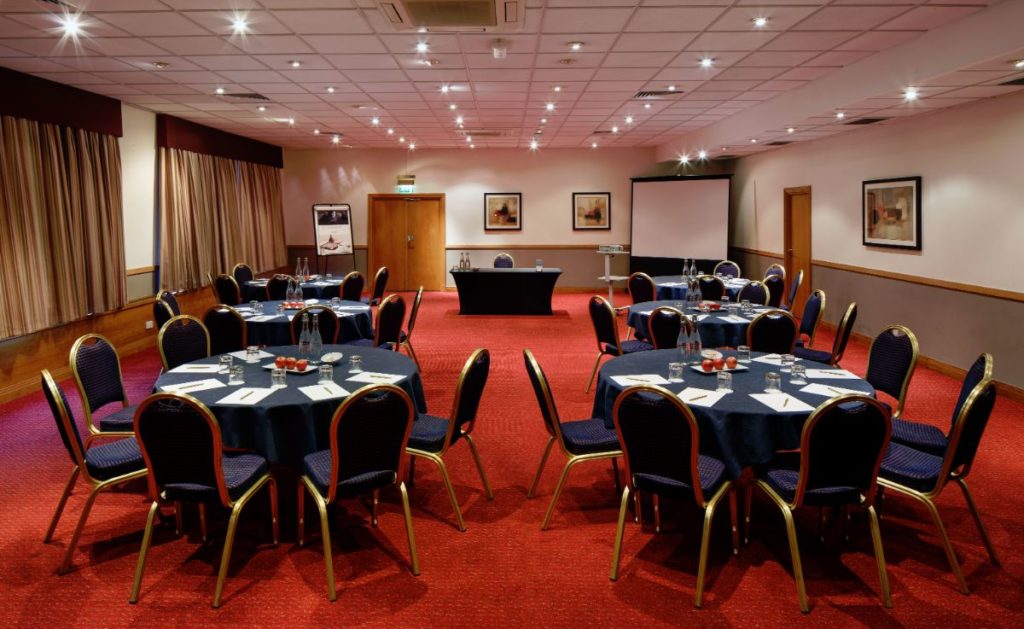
(113, 459)
(628, 347)
(589, 435)
(813, 354)
(360, 342)
(783, 482)
(712, 475)
(428, 433)
(924, 437)
(910, 468)
(121, 420)
(241, 471)
(317, 467)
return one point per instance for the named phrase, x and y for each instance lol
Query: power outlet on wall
(149, 325)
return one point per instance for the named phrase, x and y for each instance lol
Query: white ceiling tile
(805, 73)
(47, 24)
(103, 64)
(849, 18)
(209, 45)
(838, 58)
(33, 65)
(512, 74)
(227, 62)
(406, 44)
(222, 23)
(47, 47)
(810, 40)
(488, 61)
(780, 18)
(155, 24)
(712, 42)
(878, 40)
(791, 58)
(576, 21)
(329, 44)
(272, 44)
(592, 42)
(653, 42)
(77, 78)
(358, 76)
(748, 74)
(662, 19)
(332, 22)
(362, 62)
(927, 18)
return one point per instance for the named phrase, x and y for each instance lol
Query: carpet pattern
(503, 571)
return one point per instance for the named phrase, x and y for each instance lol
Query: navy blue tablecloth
(257, 289)
(714, 331)
(287, 425)
(738, 429)
(355, 324)
(674, 287)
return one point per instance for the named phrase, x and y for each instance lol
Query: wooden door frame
(787, 226)
(438, 196)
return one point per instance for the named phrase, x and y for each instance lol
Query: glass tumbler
(237, 375)
(326, 373)
(675, 372)
(278, 377)
(539, 264)
(743, 354)
(787, 360)
(355, 364)
(255, 308)
(772, 382)
(335, 303)
(724, 381)
(798, 375)
(225, 363)
(745, 306)
(252, 354)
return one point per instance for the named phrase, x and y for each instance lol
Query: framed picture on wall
(503, 211)
(591, 210)
(892, 213)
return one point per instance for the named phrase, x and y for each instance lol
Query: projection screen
(680, 217)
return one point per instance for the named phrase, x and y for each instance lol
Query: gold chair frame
(407, 343)
(773, 313)
(600, 348)
(792, 289)
(373, 291)
(844, 323)
(242, 265)
(94, 430)
(278, 278)
(390, 299)
(313, 311)
(348, 278)
(916, 352)
(504, 255)
(775, 265)
(767, 292)
(160, 336)
(817, 320)
(739, 271)
(232, 311)
(713, 278)
(684, 321)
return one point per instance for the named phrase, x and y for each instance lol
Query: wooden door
(797, 256)
(425, 226)
(385, 241)
(407, 235)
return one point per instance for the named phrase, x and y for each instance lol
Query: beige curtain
(215, 213)
(61, 229)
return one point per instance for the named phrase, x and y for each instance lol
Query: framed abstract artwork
(503, 211)
(591, 210)
(892, 213)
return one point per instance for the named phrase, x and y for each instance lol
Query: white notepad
(194, 386)
(771, 359)
(836, 374)
(782, 402)
(734, 319)
(360, 308)
(261, 355)
(213, 368)
(324, 391)
(828, 390)
(372, 377)
(701, 397)
(247, 396)
(638, 379)
(262, 318)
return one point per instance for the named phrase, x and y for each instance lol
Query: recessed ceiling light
(550, 107)
(459, 120)
(71, 24)
(469, 138)
(422, 47)
(543, 120)
(219, 91)
(629, 119)
(702, 154)
(760, 22)
(575, 46)
(295, 63)
(159, 65)
(683, 159)
(671, 88)
(791, 130)
(291, 121)
(444, 89)
(910, 94)
(375, 121)
(239, 25)
(335, 139)
(430, 62)
(453, 106)
(422, 29)
(557, 88)
(1018, 64)
(753, 140)
(412, 146)
(840, 114)
(330, 90)
(725, 148)
(402, 140)
(706, 62)
(593, 145)
(391, 131)
(533, 145)
(567, 61)
(316, 131)
(262, 108)
(472, 146)
(538, 132)
(615, 129)
(647, 105)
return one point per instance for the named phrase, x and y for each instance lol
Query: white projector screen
(681, 218)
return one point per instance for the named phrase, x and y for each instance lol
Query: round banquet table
(257, 289)
(714, 330)
(287, 425)
(354, 317)
(674, 286)
(738, 429)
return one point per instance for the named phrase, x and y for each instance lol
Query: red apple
(719, 363)
(730, 362)
(707, 364)
(290, 362)
(301, 364)
(279, 362)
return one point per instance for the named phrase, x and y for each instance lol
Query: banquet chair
(775, 269)
(504, 261)
(929, 438)
(660, 444)
(432, 436)
(581, 440)
(182, 340)
(841, 446)
(328, 321)
(711, 287)
(664, 325)
(162, 312)
(892, 359)
(380, 282)
(368, 436)
(608, 342)
(102, 467)
(814, 308)
(755, 292)
(776, 285)
(242, 273)
(923, 476)
(387, 330)
(225, 289)
(641, 288)
(727, 268)
(96, 368)
(181, 443)
(843, 331)
(352, 286)
(794, 286)
(172, 302)
(226, 328)
(774, 332)
(405, 336)
(277, 287)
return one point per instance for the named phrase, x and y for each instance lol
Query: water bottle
(693, 267)
(686, 269)
(316, 342)
(298, 267)
(305, 268)
(696, 346)
(683, 342)
(304, 337)
(697, 296)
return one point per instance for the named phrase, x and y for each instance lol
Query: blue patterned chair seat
(910, 468)
(712, 475)
(589, 435)
(782, 474)
(121, 420)
(240, 472)
(114, 459)
(628, 347)
(318, 469)
(919, 436)
(812, 354)
(428, 433)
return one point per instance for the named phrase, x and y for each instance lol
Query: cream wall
(138, 182)
(546, 179)
(970, 161)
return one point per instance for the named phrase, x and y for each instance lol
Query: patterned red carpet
(503, 571)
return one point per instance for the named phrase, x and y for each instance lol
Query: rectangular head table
(520, 291)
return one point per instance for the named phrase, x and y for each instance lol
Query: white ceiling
(629, 45)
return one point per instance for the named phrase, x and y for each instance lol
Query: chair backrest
(504, 261)
(755, 292)
(659, 436)
(226, 328)
(468, 391)
(641, 288)
(65, 420)
(727, 268)
(965, 438)
(390, 316)
(227, 290)
(794, 286)
(328, 322)
(841, 447)
(546, 401)
(603, 318)
(664, 325)
(181, 444)
(843, 332)
(891, 362)
(776, 286)
(979, 371)
(711, 287)
(242, 273)
(352, 286)
(172, 301)
(774, 331)
(814, 307)
(182, 340)
(369, 433)
(775, 269)
(162, 312)
(415, 311)
(277, 287)
(97, 370)
(380, 282)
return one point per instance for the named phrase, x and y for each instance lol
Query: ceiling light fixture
(412, 146)
(706, 62)
(702, 154)
(499, 48)
(239, 25)
(557, 88)
(575, 46)
(422, 29)
(593, 145)
(422, 47)
(219, 91)
(533, 145)
(472, 146)
(753, 140)
(291, 121)
(401, 140)
(550, 107)
(683, 159)
(71, 24)
(459, 120)
(910, 94)
(316, 131)
(375, 121)
(543, 120)
(647, 105)
(330, 90)
(760, 22)
(295, 63)
(1019, 64)
(615, 129)
(629, 119)
(159, 65)
(671, 88)
(262, 108)
(444, 89)
(335, 139)
(391, 131)
(469, 138)
(453, 106)
(840, 115)
(791, 130)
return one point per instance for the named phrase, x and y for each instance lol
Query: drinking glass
(335, 303)
(252, 354)
(724, 381)
(725, 302)
(326, 373)
(255, 307)
(675, 372)
(745, 306)
(225, 363)
(798, 375)
(743, 354)
(328, 277)
(237, 375)
(278, 377)
(787, 360)
(772, 382)
(355, 364)
(540, 264)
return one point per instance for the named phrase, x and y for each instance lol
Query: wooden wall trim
(142, 270)
(513, 247)
(984, 291)
(758, 252)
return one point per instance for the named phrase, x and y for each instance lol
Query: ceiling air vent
(726, 157)
(778, 143)
(485, 16)
(864, 121)
(1017, 81)
(59, 3)
(246, 96)
(657, 94)
(487, 133)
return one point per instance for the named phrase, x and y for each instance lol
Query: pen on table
(247, 394)
(699, 397)
(785, 402)
(329, 392)
(190, 385)
(836, 391)
(635, 379)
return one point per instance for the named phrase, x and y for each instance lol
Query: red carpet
(504, 571)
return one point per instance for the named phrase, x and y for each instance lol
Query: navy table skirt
(256, 290)
(674, 287)
(356, 324)
(286, 426)
(740, 430)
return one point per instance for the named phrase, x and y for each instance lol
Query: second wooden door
(407, 235)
